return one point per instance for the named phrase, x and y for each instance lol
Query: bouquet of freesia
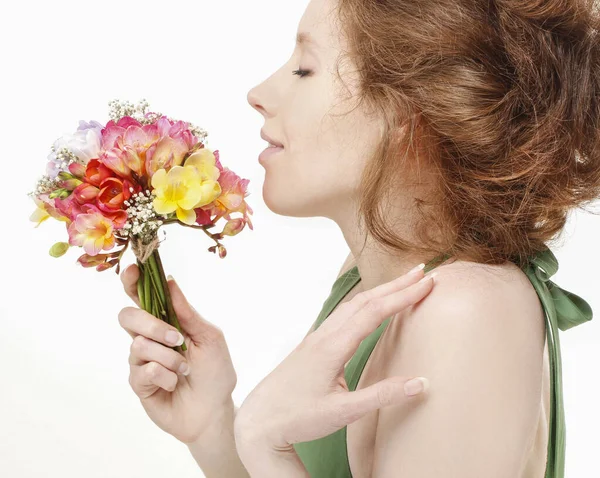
(115, 185)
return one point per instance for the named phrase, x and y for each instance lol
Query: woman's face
(317, 173)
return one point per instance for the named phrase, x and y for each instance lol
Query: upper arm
(348, 264)
(482, 351)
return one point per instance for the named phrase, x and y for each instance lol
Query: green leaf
(57, 192)
(64, 175)
(59, 249)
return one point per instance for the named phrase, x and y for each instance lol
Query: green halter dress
(327, 457)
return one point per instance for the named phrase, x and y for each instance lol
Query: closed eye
(300, 72)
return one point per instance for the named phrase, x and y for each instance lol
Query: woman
(452, 133)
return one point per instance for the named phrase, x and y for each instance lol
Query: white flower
(85, 144)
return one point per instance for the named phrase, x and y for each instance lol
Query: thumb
(191, 322)
(390, 391)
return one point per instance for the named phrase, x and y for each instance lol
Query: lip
(268, 139)
(268, 153)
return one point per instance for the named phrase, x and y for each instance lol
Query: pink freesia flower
(113, 160)
(113, 130)
(93, 231)
(85, 193)
(69, 207)
(232, 197)
(77, 170)
(165, 154)
(144, 149)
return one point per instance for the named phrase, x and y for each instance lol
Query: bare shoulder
(478, 337)
(470, 285)
(471, 301)
(494, 297)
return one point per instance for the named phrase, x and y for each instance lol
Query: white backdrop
(66, 407)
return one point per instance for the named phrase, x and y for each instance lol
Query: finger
(129, 278)
(139, 322)
(144, 350)
(147, 378)
(192, 323)
(348, 407)
(338, 320)
(359, 325)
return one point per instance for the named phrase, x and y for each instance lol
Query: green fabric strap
(563, 310)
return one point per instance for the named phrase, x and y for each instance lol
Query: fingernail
(170, 277)
(416, 386)
(174, 337)
(428, 277)
(418, 268)
(184, 368)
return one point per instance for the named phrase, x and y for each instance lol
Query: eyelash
(300, 72)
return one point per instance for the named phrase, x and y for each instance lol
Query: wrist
(221, 424)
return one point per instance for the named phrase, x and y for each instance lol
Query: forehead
(317, 26)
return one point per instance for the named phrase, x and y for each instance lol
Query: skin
(479, 399)
(179, 404)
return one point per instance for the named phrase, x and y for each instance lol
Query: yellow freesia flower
(183, 189)
(205, 163)
(39, 215)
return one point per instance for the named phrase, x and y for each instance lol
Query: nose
(252, 98)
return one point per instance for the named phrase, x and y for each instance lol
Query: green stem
(156, 282)
(141, 287)
(172, 316)
(147, 291)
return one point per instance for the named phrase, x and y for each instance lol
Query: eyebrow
(304, 38)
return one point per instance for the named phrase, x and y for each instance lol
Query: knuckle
(373, 306)
(363, 298)
(345, 415)
(157, 329)
(138, 345)
(345, 307)
(386, 393)
(173, 383)
(176, 362)
(153, 371)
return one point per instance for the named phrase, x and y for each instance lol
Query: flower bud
(233, 227)
(59, 249)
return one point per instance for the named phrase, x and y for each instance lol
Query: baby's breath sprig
(65, 157)
(45, 185)
(142, 220)
(119, 108)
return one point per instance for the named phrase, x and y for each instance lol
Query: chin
(284, 202)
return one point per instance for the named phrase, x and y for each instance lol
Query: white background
(66, 407)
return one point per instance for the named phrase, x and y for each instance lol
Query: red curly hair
(503, 95)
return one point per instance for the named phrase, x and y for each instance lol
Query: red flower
(113, 192)
(96, 172)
